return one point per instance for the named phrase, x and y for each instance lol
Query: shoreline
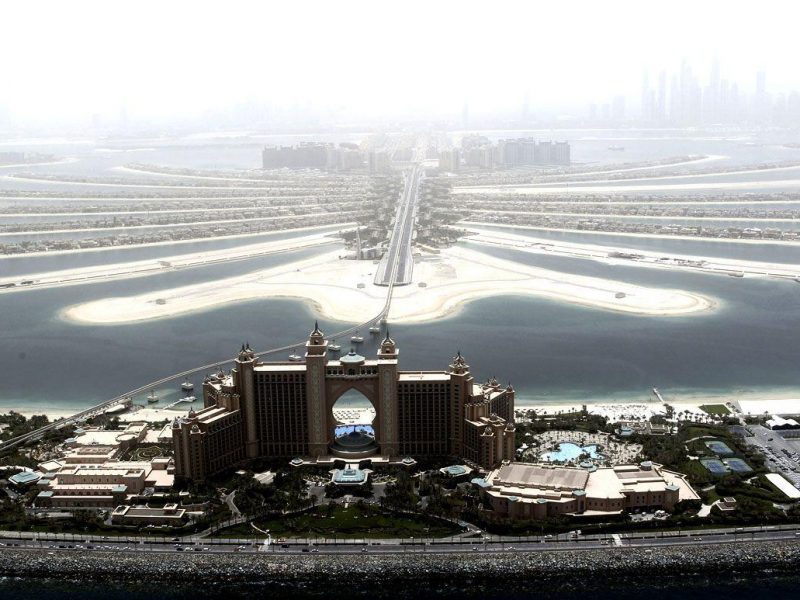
(646, 258)
(570, 189)
(557, 565)
(577, 182)
(654, 236)
(752, 401)
(336, 226)
(342, 290)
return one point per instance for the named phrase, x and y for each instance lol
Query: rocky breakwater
(744, 558)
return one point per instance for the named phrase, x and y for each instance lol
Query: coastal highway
(397, 265)
(646, 541)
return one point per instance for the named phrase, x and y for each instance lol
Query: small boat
(356, 339)
(375, 329)
(188, 399)
(187, 386)
(152, 398)
(295, 357)
(333, 346)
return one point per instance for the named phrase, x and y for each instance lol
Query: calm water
(754, 587)
(548, 350)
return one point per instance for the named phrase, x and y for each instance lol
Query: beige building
(104, 485)
(170, 515)
(285, 409)
(531, 491)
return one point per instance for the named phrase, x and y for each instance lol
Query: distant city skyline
(261, 65)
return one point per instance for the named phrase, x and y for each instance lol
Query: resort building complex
(284, 409)
(529, 491)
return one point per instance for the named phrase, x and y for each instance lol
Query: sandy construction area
(343, 290)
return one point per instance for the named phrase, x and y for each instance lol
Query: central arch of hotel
(353, 447)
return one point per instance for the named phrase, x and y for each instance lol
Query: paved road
(648, 541)
(397, 265)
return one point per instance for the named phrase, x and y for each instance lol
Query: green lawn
(351, 522)
(715, 409)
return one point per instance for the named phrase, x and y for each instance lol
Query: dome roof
(351, 358)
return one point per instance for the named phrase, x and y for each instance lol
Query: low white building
(532, 491)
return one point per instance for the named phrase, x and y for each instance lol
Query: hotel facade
(284, 409)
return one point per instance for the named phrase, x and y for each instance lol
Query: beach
(167, 263)
(342, 290)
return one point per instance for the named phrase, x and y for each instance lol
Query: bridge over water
(395, 269)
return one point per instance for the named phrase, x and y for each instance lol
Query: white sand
(332, 227)
(164, 264)
(61, 161)
(153, 185)
(188, 176)
(773, 406)
(658, 236)
(649, 259)
(611, 215)
(124, 230)
(579, 188)
(580, 182)
(455, 277)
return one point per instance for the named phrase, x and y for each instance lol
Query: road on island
(397, 272)
(397, 265)
(649, 541)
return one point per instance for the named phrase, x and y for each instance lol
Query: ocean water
(756, 586)
(549, 351)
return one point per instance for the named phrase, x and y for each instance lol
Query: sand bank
(609, 215)
(580, 188)
(331, 228)
(655, 236)
(140, 268)
(343, 290)
(152, 185)
(637, 179)
(647, 259)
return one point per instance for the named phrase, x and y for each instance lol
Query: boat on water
(295, 357)
(152, 398)
(375, 329)
(617, 148)
(189, 398)
(187, 386)
(357, 339)
(333, 346)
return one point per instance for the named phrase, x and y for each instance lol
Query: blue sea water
(756, 586)
(549, 350)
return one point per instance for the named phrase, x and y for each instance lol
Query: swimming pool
(345, 429)
(568, 451)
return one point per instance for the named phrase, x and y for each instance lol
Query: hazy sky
(71, 58)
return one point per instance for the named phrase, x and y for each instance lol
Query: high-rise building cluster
(683, 99)
(478, 151)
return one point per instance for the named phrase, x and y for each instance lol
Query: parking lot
(783, 455)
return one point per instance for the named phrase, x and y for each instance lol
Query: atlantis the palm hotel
(285, 409)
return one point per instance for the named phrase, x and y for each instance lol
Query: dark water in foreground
(754, 587)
